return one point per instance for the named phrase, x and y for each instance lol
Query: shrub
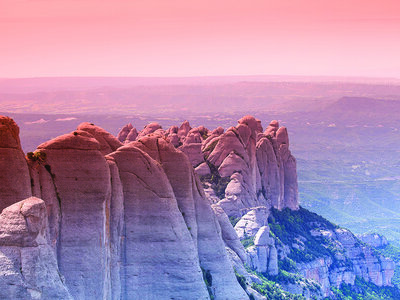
(36, 156)
(242, 280)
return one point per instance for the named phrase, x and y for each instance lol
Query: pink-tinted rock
(228, 232)
(132, 135)
(23, 224)
(231, 164)
(150, 128)
(193, 152)
(226, 144)
(157, 240)
(173, 139)
(108, 142)
(184, 129)
(268, 166)
(124, 132)
(77, 140)
(244, 133)
(198, 216)
(203, 169)
(252, 123)
(15, 183)
(172, 129)
(282, 136)
(80, 182)
(272, 128)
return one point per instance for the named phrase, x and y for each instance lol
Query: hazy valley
(344, 136)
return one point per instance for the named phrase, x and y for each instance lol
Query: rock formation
(28, 265)
(14, 176)
(156, 214)
(116, 221)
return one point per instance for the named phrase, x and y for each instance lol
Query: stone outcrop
(78, 181)
(198, 215)
(373, 239)
(28, 265)
(15, 183)
(352, 259)
(245, 171)
(112, 216)
(128, 218)
(259, 164)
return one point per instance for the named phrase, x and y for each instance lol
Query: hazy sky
(202, 37)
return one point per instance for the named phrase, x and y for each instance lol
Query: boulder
(28, 265)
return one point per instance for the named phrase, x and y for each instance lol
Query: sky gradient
(190, 38)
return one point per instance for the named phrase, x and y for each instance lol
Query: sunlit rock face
(247, 170)
(15, 184)
(197, 213)
(129, 218)
(116, 222)
(78, 187)
(250, 171)
(257, 166)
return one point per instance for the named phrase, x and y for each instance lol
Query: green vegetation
(218, 183)
(287, 264)
(241, 279)
(294, 228)
(207, 277)
(211, 146)
(234, 220)
(392, 252)
(36, 156)
(272, 289)
(362, 290)
(248, 241)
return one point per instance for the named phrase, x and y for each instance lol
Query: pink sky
(202, 37)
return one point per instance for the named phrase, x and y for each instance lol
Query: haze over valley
(345, 132)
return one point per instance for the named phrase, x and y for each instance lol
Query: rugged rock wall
(115, 222)
(14, 175)
(129, 219)
(247, 170)
(257, 167)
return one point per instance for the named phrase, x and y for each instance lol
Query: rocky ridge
(245, 172)
(110, 222)
(183, 213)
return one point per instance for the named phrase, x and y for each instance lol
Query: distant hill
(365, 105)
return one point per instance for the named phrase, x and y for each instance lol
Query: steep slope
(250, 176)
(129, 219)
(14, 175)
(115, 221)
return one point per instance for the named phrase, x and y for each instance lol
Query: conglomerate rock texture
(111, 221)
(148, 215)
(245, 172)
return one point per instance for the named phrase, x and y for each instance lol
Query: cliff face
(246, 171)
(88, 216)
(254, 167)
(119, 222)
